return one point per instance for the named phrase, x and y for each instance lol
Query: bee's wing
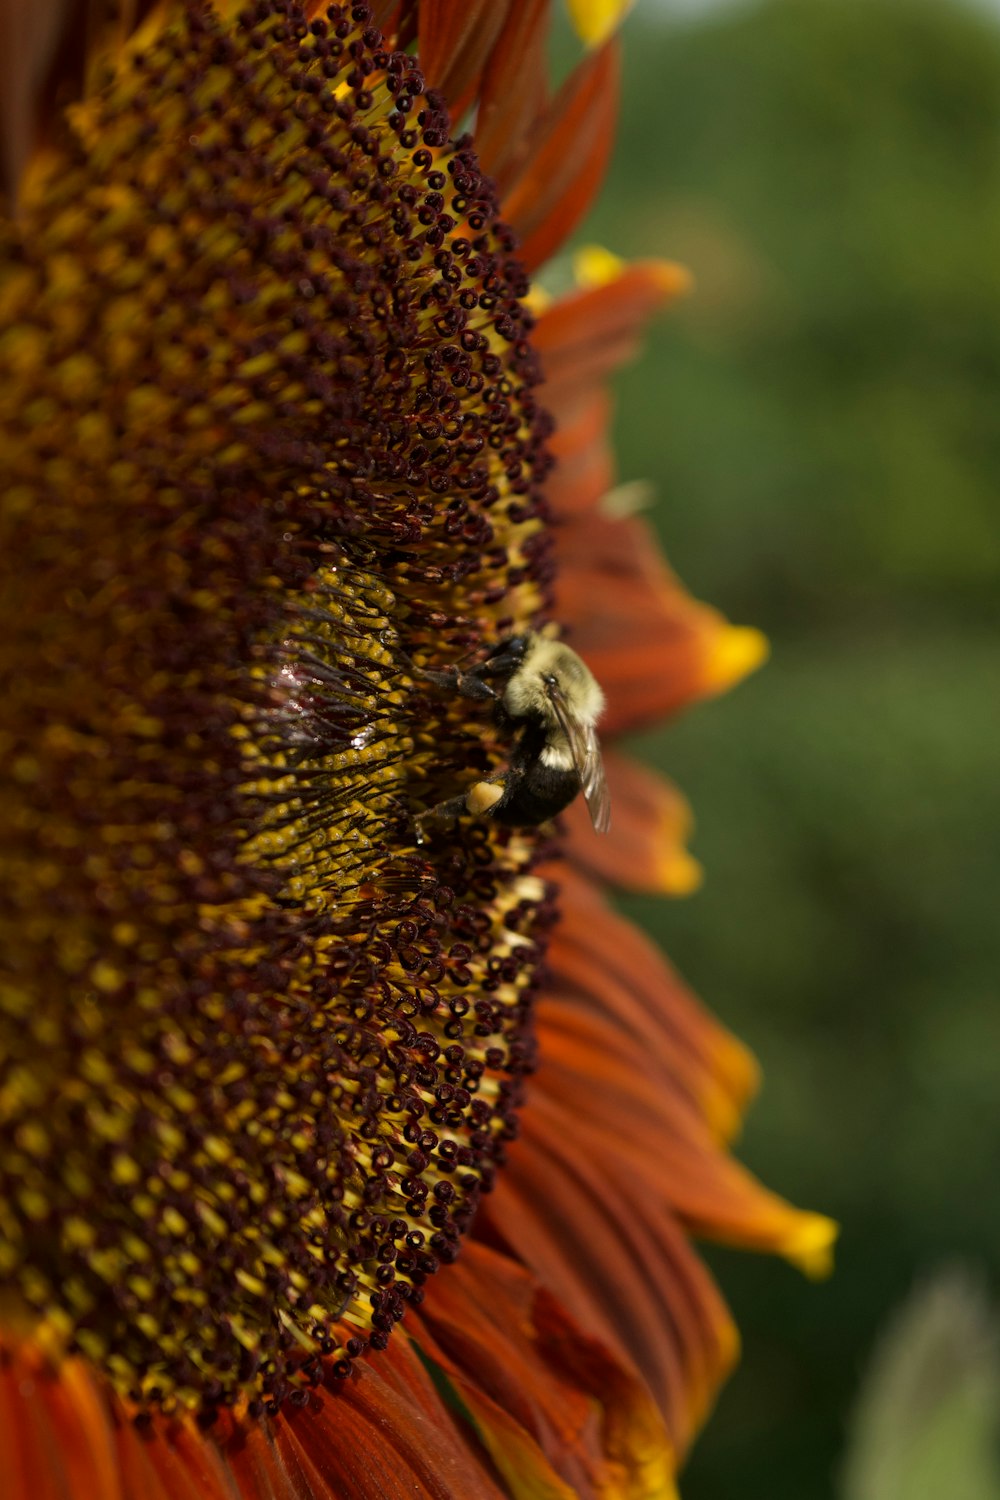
(586, 752)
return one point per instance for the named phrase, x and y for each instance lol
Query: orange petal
(64, 1434)
(558, 1411)
(385, 14)
(650, 823)
(454, 42)
(43, 1459)
(603, 962)
(588, 334)
(513, 95)
(383, 1434)
(645, 1135)
(629, 1278)
(584, 470)
(555, 185)
(583, 338)
(138, 1469)
(174, 1461)
(491, 53)
(652, 647)
(663, 1084)
(621, 1156)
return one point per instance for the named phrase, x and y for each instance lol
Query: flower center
(265, 400)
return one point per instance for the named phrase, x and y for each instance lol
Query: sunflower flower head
(273, 1049)
(275, 438)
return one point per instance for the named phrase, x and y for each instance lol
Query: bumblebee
(545, 696)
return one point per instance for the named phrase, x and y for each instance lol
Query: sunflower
(334, 1162)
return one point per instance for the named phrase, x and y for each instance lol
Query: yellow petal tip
(810, 1245)
(732, 654)
(595, 266)
(722, 1115)
(680, 873)
(596, 20)
(725, 1097)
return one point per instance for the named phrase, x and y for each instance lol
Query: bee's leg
(453, 808)
(481, 797)
(466, 684)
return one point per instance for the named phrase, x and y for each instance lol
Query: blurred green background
(821, 422)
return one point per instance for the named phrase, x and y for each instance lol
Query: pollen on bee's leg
(483, 796)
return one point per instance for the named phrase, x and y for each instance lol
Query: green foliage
(831, 170)
(820, 423)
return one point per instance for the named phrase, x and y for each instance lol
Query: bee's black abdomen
(534, 796)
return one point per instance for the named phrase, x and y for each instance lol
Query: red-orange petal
(383, 1434)
(387, 1435)
(544, 1395)
(600, 960)
(645, 849)
(64, 1434)
(454, 43)
(652, 647)
(175, 1461)
(585, 336)
(57, 1447)
(584, 471)
(621, 1156)
(513, 94)
(555, 185)
(665, 1084)
(645, 1133)
(487, 53)
(629, 1278)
